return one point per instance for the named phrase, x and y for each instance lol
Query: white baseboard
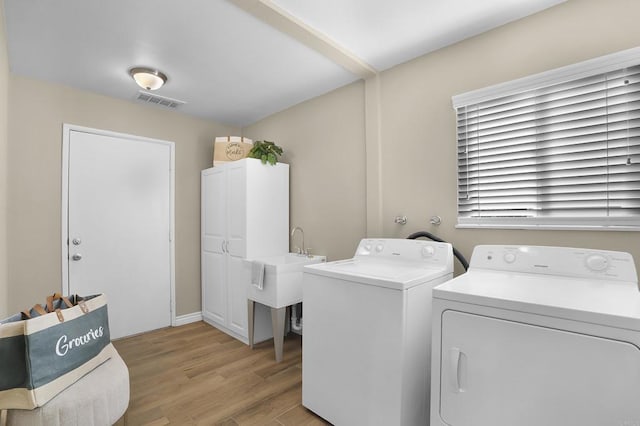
(188, 319)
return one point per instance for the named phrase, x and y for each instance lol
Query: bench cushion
(99, 398)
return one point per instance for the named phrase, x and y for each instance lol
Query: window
(555, 150)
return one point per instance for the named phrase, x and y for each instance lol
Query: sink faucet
(299, 250)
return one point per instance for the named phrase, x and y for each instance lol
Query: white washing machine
(534, 336)
(367, 332)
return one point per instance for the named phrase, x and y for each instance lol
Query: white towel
(257, 274)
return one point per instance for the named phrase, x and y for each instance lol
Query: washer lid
(380, 272)
(612, 303)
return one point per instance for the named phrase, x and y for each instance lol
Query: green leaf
(266, 151)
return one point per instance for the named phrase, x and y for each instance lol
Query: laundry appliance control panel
(421, 251)
(562, 261)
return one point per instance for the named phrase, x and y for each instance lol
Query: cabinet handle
(222, 246)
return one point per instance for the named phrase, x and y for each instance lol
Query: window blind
(563, 154)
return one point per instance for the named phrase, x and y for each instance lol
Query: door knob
(76, 256)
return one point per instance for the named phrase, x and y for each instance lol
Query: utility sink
(282, 284)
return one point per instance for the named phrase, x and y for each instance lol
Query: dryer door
(496, 372)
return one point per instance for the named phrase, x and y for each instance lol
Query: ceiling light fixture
(148, 78)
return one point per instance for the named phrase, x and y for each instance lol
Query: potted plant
(265, 151)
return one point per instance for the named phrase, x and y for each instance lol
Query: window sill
(547, 227)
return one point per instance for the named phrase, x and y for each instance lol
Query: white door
(237, 273)
(119, 224)
(214, 258)
(503, 373)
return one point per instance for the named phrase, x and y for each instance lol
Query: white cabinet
(245, 215)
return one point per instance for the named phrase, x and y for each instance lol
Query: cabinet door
(238, 278)
(214, 217)
(214, 289)
(496, 372)
(214, 210)
(236, 225)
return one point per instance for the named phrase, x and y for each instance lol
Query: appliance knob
(428, 251)
(367, 247)
(379, 248)
(597, 262)
(509, 257)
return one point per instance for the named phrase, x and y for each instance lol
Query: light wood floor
(197, 375)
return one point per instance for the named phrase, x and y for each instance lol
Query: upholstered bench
(99, 398)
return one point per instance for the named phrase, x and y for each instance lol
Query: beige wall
(419, 143)
(4, 81)
(36, 115)
(323, 141)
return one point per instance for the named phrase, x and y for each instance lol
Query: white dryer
(367, 332)
(534, 336)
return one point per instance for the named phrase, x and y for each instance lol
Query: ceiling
(237, 61)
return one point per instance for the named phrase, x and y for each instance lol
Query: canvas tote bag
(42, 355)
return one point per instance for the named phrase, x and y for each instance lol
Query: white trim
(64, 237)
(66, 131)
(373, 147)
(587, 68)
(547, 227)
(187, 319)
(172, 228)
(554, 224)
(272, 14)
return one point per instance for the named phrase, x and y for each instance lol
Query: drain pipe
(296, 323)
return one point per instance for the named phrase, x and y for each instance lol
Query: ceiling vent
(151, 98)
